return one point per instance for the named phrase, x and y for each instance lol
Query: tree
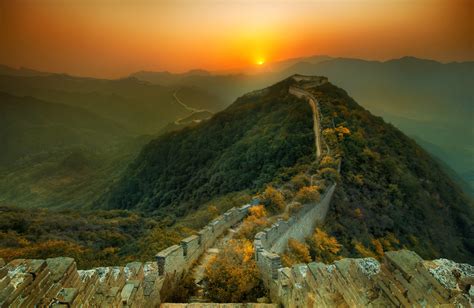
(325, 248)
(299, 181)
(232, 276)
(342, 131)
(363, 251)
(273, 200)
(308, 194)
(255, 222)
(297, 253)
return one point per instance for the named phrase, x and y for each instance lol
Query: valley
(236, 154)
(279, 220)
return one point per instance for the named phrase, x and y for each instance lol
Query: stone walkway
(199, 270)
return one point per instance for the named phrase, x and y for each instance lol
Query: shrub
(330, 174)
(254, 223)
(327, 161)
(308, 194)
(273, 200)
(325, 248)
(299, 181)
(178, 289)
(232, 276)
(297, 252)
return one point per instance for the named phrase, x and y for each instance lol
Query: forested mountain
(390, 190)
(391, 193)
(259, 137)
(29, 126)
(425, 99)
(55, 155)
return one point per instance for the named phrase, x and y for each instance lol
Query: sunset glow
(112, 38)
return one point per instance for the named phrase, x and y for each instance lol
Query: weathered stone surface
(401, 279)
(215, 305)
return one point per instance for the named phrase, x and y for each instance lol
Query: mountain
(390, 191)
(256, 139)
(22, 71)
(424, 98)
(29, 126)
(55, 155)
(141, 107)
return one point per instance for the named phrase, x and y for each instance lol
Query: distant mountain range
(138, 106)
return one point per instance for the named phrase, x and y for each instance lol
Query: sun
(260, 61)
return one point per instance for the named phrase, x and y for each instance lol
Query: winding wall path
(300, 93)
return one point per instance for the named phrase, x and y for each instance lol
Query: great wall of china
(402, 278)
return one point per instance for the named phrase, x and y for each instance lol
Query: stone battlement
(401, 279)
(179, 258)
(56, 282)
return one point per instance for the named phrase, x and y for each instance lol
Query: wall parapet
(272, 241)
(401, 279)
(181, 257)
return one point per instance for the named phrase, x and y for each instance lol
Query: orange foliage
(378, 247)
(324, 246)
(256, 221)
(43, 250)
(308, 194)
(297, 253)
(232, 276)
(342, 131)
(363, 251)
(273, 199)
(258, 211)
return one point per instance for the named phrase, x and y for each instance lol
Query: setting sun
(260, 61)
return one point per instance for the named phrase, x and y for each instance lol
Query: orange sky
(112, 38)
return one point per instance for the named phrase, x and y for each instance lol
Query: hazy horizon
(236, 70)
(113, 39)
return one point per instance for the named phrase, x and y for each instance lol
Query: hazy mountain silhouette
(139, 106)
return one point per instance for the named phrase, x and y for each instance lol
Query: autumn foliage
(297, 253)
(308, 194)
(324, 247)
(273, 200)
(232, 276)
(255, 222)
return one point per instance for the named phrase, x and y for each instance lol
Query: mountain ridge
(387, 179)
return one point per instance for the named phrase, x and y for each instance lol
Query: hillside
(390, 190)
(140, 107)
(29, 126)
(261, 136)
(391, 193)
(423, 98)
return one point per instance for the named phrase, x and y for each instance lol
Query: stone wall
(272, 241)
(179, 258)
(56, 282)
(401, 279)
